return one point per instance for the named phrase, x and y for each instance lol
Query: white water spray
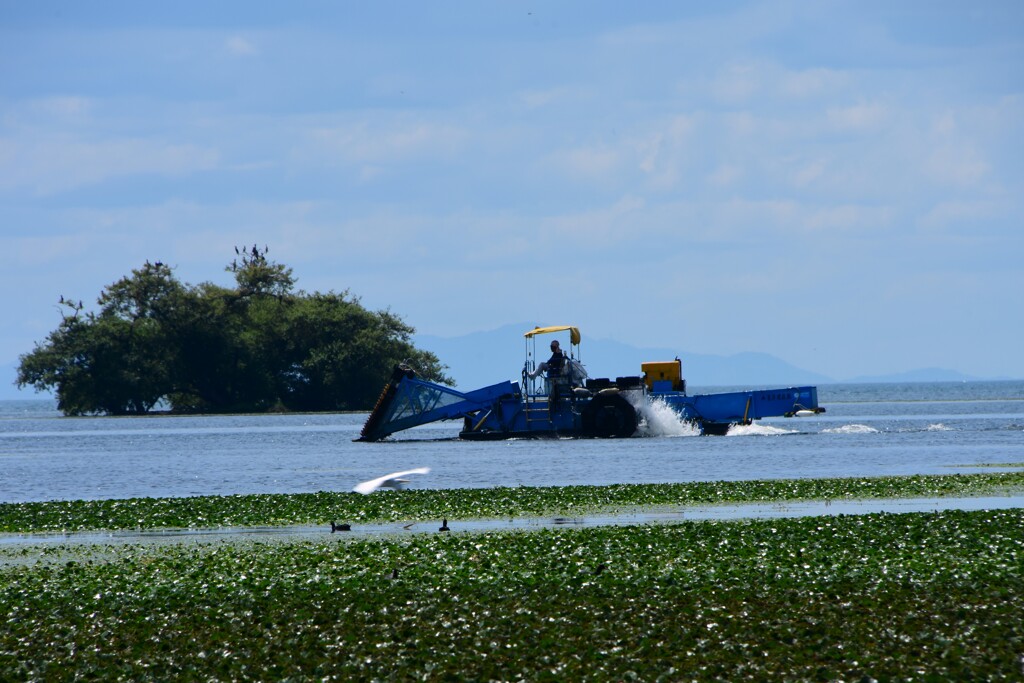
(851, 429)
(658, 419)
(756, 429)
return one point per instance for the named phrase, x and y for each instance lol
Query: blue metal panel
(742, 406)
(412, 402)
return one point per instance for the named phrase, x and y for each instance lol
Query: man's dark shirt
(556, 363)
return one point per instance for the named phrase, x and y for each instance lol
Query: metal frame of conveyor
(409, 402)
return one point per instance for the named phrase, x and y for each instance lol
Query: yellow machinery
(663, 371)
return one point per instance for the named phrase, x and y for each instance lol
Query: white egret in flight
(394, 480)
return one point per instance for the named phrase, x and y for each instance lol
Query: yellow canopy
(574, 332)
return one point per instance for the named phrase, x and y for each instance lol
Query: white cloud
(738, 83)
(599, 229)
(944, 124)
(811, 82)
(954, 153)
(852, 218)
(808, 173)
(375, 143)
(46, 166)
(653, 154)
(857, 117)
(725, 175)
(782, 220)
(63, 106)
(741, 219)
(956, 164)
(741, 123)
(238, 46)
(958, 214)
(586, 163)
(45, 251)
(370, 172)
(662, 154)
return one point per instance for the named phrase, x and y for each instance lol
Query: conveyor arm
(408, 402)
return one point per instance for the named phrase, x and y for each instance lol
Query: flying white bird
(388, 481)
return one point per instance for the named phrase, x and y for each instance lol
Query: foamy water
(758, 429)
(658, 419)
(851, 429)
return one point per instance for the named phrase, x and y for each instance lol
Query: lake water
(869, 430)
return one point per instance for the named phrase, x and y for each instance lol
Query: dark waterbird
(444, 525)
(340, 527)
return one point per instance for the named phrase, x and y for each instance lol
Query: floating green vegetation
(930, 596)
(318, 508)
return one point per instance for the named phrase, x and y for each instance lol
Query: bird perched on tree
(395, 480)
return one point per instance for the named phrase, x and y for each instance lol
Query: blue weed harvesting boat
(565, 402)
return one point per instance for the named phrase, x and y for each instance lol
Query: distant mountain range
(922, 375)
(481, 358)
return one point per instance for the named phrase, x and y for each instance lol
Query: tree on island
(258, 346)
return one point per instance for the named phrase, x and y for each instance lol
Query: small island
(157, 343)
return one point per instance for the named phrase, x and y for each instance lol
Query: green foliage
(502, 502)
(255, 347)
(910, 597)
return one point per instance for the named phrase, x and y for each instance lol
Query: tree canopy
(260, 345)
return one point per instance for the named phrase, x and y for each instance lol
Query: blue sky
(838, 184)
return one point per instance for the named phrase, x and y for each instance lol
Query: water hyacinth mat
(501, 502)
(923, 596)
